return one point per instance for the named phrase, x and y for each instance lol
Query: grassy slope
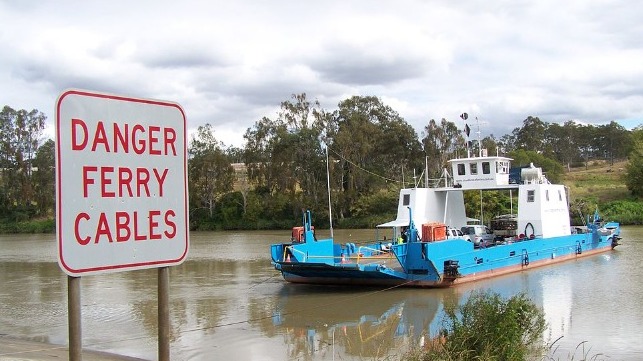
(600, 180)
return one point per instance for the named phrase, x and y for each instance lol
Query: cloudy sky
(230, 63)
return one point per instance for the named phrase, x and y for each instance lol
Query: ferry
(429, 243)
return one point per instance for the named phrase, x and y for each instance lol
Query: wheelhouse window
(531, 196)
(547, 195)
(501, 167)
(486, 168)
(474, 168)
(560, 196)
(406, 200)
(461, 169)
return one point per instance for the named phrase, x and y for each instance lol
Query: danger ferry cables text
(111, 181)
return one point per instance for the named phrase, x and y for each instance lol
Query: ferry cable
(264, 281)
(343, 300)
(365, 170)
(31, 351)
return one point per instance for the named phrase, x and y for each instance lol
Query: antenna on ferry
(403, 175)
(426, 171)
(330, 206)
(479, 142)
(467, 130)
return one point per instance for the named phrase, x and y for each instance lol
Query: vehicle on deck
(480, 235)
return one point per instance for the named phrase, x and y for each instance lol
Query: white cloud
(231, 63)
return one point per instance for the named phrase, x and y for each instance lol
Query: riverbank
(25, 350)
(599, 183)
(34, 226)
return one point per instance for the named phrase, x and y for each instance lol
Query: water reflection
(557, 304)
(372, 324)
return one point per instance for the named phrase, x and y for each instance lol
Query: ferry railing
(373, 251)
(293, 250)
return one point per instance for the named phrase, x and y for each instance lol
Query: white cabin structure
(543, 209)
(481, 172)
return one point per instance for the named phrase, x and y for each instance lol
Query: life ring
(533, 230)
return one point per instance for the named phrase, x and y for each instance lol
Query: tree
(374, 145)
(211, 175)
(44, 184)
(614, 141)
(284, 156)
(634, 175)
(532, 134)
(490, 144)
(586, 142)
(19, 140)
(441, 143)
(563, 142)
(399, 148)
(507, 142)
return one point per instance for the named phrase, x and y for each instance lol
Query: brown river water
(228, 303)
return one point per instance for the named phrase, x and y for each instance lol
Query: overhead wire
(361, 168)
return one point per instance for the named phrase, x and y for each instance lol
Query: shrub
(488, 327)
(623, 211)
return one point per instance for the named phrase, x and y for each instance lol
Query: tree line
(282, 167)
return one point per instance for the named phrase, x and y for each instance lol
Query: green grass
(32, 226)
(600, 181)
(604, 186)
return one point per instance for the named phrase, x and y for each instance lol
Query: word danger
(153, 140)
(124, 185)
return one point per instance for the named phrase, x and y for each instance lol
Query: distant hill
(600, 180)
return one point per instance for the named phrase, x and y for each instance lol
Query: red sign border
(114, 268)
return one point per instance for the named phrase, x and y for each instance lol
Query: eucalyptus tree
(568, 147)
(284, 156)
(634, 169)
(44, 184)
(400, 149)
(614, 141)
(587, 142)
(563, 142)
(211, 174)
(441, 142)
(235, 154)
(373, 146)
(306, 121)
(490, 143)
(20, 137)
(531, 136)
(507, 142)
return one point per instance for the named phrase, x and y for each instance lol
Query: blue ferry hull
(432, 268)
